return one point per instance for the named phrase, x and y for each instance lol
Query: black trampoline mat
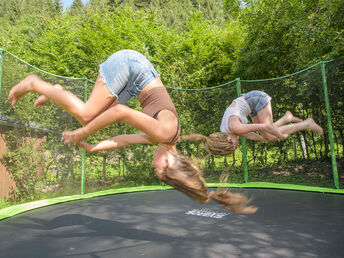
(169, 224)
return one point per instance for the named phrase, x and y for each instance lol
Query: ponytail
(186, 178)
(217, 143)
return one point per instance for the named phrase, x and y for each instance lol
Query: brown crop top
(155, 100)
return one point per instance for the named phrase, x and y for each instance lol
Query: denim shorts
(126, 73)
(257, 100)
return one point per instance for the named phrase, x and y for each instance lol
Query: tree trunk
(314, 147)
(55, 153)
(306, 144)
(341, 136)
(234, 160)
(280, 149)
(254, 153)
(302, 144)
(336, 142)
(326, 141)
(286, 153)
(294, 147)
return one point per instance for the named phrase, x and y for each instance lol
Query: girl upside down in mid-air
(234, 124)
(123, 75)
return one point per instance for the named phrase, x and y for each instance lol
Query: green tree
(22, 20)
(284, 36)
(57, 6)
(76, 8)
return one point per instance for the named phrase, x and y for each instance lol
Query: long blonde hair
(184, 176)
(217, 143)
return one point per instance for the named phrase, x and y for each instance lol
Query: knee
(84, 115)
(163, 138)
(85, 118)
(87, 114)
(165, 134)
(235, 130)
(122, 112)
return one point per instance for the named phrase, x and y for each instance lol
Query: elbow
(237, 130)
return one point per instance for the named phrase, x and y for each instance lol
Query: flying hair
(186, 177)
(217, 143)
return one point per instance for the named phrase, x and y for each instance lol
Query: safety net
(36, 164)
(304, 158)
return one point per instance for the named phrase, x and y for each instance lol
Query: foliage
(283, 36)
(4, 203)
(25, 173)
(21, 22)
(193, 45)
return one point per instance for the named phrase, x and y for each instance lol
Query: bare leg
(287, 118)
(265, 117)
(307, 124)
(100, 99)
(160, 130)
(42, 100)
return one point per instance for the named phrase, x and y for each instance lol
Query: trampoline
(169, 224)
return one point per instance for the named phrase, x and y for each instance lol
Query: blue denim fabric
(126, 73)
(257, 100)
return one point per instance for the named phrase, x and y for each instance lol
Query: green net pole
(83, 151)
(243, 139)
(329, 124)
(1, 54)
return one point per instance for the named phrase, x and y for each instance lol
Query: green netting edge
(181, 89)
(20, 208)
(16, 209)
(267, 185)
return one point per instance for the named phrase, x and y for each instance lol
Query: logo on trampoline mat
(207, 213)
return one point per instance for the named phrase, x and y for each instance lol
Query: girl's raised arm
(117, 142)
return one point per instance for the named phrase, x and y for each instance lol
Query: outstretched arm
(117, 142)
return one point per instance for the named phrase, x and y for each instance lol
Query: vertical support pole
(243, 140)
(329, 125)
(1, 55)
(83, 151)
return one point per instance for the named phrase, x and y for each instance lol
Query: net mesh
(290, 160)
(42, 166)
(303, 158)
(34, 155)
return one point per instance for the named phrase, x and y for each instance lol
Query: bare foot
(21, 89)
(42, 100)
(313, 126)
(291, 118)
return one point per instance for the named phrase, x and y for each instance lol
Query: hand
(75, 136)
(233, 139)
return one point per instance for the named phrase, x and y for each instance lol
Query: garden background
(201, 47)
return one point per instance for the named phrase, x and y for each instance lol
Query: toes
(315, 127)
(292, 118)
(11, 99)
(41, 101)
